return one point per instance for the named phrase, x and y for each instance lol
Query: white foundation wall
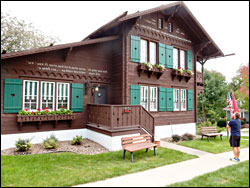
(111, 143)
(165, 131)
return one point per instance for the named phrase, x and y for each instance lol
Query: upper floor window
(30, 95)
(182, 59)
(176, 58)
(152, 54)
(170, 27)
(144, 51)
(160, 23)
(47, 95)
(62, 95)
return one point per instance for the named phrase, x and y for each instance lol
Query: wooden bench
(136, 143)
(210, 132)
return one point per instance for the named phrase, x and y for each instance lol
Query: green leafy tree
(214, 97)
(17, 35)
(242, 92)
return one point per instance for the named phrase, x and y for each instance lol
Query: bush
(50, 142)
(77, 140)
(23, 144)
(222, 123)
(187, 137)
(242, 122)
(176, 138)
(206, 124)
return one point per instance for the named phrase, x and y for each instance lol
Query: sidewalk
(166, 175)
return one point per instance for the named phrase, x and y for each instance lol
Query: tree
(242, 92)
(214, 97)
(16, 35)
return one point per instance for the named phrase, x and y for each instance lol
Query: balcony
(199, 79)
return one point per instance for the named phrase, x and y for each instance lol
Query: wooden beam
(198, 48)
(171, 16)
(68, 53)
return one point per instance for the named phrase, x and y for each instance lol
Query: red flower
(43, 109)
(33, 112)
(52, 109)
(26, 110)
(62, 106)
(39, 109)
(46, 108)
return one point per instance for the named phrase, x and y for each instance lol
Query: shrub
(77, 140)
(23, 144)
(222, 123)
(187, 137)
(50, 142)
(206, 124)
(242, 122)
(176, 138)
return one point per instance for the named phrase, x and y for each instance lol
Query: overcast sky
(227, 22)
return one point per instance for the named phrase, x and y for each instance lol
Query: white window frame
(30, 110)
(41, 96)
(183, 99)
(144, 96)
(176, 99)
(153, 98)
(175, 58)
(57, 95)
(152, 52)
(182, 59)
(144, 51)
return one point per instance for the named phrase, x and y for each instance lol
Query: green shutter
(135, 94)
(169, 57)
(190, 99)
(77, 97)
(170, 99)
(135, 49)
(189, 60)
(12, 95)
(162, 54)
(162, 99)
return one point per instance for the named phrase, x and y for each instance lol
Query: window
(183, 100)
(152, 50)
(153, 98)
(170, 27)
(144, 97)
(62, 95)
(144, 51)
(182, 59)
(30, 95)
(176, 57)
(176, 100)
(47, 95)
(160, 23)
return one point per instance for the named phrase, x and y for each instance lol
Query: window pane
(152, 55)
(144, 51)
(176, 58)
(144, 97)
(176, 99)
(47, 100)
(30, 94)
(182, 58)
(62, 95)
(153, 98)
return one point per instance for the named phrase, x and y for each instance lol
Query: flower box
(154, 71)
(180, 76)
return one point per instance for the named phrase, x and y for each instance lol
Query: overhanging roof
(57, 47)
(195, 29)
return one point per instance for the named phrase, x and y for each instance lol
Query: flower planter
(180, 76)
(154, 71)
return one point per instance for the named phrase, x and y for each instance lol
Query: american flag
(229, 101)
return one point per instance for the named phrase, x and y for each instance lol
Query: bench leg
(208, 138)
(123, 156)
(221, 137)
(202, 137)
(132, 157)
(155, 150)
(147, 150)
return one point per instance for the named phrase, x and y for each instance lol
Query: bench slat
(134, 140)
(133, 148)
(132, 137)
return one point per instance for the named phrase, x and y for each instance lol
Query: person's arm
(228, 125)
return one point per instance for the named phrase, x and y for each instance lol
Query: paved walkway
(166, 175)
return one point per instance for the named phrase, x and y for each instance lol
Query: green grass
(245, 137)
(232, 176)
(214, 146)
(67, 169)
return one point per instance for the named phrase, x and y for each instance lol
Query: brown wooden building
(103, 81)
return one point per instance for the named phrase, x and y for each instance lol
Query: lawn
(67, 169)
(214, 146)
(232, 176)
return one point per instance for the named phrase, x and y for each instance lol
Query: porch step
(116, 129)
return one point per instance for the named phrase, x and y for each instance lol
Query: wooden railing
(120, 116)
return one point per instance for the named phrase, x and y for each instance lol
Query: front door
(100, 97)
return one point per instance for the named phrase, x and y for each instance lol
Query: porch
(120, 119)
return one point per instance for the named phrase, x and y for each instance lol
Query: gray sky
(227, 22)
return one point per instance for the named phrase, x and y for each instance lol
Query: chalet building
(105, 81)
